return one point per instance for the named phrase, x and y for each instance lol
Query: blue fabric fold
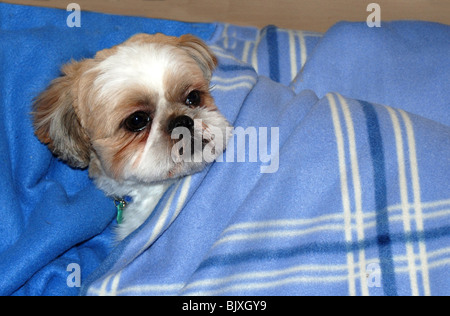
(357, 203)
(403, 64)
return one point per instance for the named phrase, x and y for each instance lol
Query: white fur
(144, 197)
(135, 65)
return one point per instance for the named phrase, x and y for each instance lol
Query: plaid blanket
(336, 181)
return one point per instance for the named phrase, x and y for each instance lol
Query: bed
(354, 200)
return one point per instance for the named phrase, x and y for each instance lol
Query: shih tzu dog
(139, 115)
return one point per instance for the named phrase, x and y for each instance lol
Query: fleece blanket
(336, 182)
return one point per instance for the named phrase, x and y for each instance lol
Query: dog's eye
(137, 121)
(194, 98)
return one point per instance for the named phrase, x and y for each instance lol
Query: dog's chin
(185, 169)
(175, 171)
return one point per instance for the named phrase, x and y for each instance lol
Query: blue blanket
(343, 196)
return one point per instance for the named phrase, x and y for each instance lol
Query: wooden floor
(312, 15)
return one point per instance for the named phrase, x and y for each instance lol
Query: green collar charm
(120, 206)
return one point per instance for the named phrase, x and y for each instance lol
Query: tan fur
(180, 85)
(56, 122)
(200, 53)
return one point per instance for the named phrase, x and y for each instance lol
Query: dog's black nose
(181, 121)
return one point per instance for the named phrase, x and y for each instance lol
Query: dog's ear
(200, 52)
(56, 122)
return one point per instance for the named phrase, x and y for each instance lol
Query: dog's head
(139, 111)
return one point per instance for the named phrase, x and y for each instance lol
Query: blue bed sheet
(350, 195)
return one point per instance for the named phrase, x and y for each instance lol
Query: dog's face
(122, 112)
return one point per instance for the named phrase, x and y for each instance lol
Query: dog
(118, 114)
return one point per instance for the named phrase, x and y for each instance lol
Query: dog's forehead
(152, 67)
(141, 38)
(153, 38)
(136, 64)
(155, 69)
